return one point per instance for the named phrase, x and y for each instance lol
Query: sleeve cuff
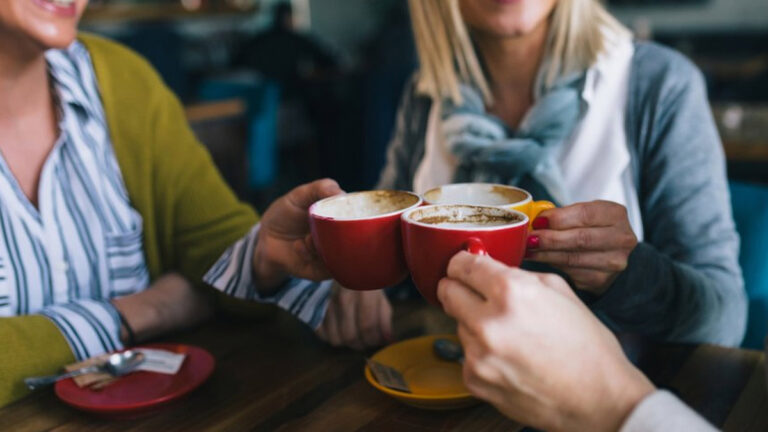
(91, 327)
(662, 411)
(233, 275)
(623, 291)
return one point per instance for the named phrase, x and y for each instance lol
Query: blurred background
(285, 92)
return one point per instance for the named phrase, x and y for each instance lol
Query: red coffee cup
(432, 235)
(358, 237)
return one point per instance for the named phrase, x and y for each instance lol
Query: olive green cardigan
(190, 215)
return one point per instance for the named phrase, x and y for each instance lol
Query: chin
(506, 18)
(46, 23)
(53, 38)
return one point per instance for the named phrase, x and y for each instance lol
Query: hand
(357, 319)
(170, 304)
(591, 242)
(285, 246)
(534, 351)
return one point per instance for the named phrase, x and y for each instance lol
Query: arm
(683, 283)
(32, 345)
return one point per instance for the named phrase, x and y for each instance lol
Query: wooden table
(274, 375)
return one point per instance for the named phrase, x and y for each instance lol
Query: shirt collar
(69, 68)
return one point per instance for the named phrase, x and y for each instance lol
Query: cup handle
(538, 207)
(475, 246)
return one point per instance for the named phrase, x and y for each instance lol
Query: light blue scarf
(489, 152)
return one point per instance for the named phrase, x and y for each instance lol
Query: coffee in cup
(358, 237)
(432, 235)
(487, 194)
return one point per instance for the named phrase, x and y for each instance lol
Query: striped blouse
(82, 246)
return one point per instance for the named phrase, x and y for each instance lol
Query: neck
(23, 77)
(513, 62)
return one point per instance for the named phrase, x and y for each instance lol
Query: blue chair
(262, 98)
(750, 211)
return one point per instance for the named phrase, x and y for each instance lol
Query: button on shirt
(83, 245)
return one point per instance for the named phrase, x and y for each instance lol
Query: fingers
(385, 318)
(602, 261)
(588, 214)
(477, 272)
(590, 280)
(308, 264)
(585, 239)
(329, 330)
(369, 318)
(306, 195)
(346, 315)
(459, 300)
(357, 319)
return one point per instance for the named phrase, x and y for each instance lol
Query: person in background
(554, 96)
(285, 55)
(524, 336)
(111, 212)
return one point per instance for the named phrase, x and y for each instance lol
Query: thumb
(306, 195)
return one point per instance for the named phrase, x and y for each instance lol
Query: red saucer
(141, 392)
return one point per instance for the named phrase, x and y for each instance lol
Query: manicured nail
(540, 223)
(533, 242)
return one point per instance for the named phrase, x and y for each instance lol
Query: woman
(555, 97)
(112, 212)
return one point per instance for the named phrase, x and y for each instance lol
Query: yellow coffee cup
(487, 194)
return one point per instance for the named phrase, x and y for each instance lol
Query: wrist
(627, 395)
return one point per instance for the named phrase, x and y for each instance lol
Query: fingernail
(533, 242)
(540, 223)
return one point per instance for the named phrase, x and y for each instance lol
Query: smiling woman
(555, 97)
(111, 211)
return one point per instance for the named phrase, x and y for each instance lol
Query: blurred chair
(262, 98)
(222, 127)
(750, 211)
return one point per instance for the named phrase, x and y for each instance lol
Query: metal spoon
(448, 350)
(116, 365)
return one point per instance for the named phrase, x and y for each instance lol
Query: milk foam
(364, 204)
(464, 216)
(474, 194)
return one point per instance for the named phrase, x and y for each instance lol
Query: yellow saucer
(435, 384)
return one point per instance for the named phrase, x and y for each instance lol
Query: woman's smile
(64, 8)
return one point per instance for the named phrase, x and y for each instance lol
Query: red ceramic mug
(358, 237)
(432, 235)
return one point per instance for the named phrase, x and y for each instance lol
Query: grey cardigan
(683, 282)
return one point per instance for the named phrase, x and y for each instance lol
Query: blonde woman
(554, 96)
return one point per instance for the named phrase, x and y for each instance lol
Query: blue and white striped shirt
(83, 244)
(233, 275)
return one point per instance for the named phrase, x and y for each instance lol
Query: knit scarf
(488, 151)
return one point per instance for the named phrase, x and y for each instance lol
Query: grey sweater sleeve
(683, 283)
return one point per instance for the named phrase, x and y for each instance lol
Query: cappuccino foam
(464, 216)
(366, 204)
(480, 194)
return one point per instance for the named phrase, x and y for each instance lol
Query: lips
(62, 8)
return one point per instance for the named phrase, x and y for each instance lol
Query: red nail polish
(540, 223)
(533, 242)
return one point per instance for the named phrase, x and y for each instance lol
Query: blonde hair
(447, 56)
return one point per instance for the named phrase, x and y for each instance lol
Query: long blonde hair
(448, 58)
